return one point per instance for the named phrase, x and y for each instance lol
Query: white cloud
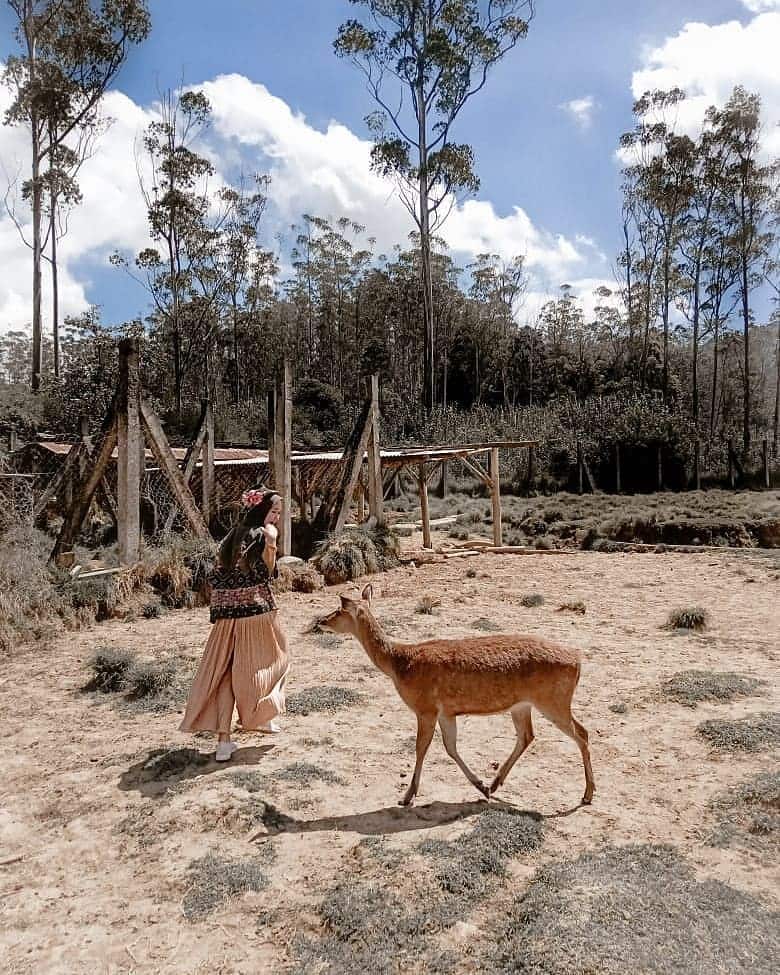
(759, 6)
(581, 110)
(326, 173)
(707, 61)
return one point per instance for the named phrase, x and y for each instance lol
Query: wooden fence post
(732, 479)
(765, 462)
(284, 416)
(130, 444)
(580, 470)
(375, 488)
(495, 494)
(207, 462)
(422, 481)
(697, 464)
(618, 484)
(659, 468)
(531, 467)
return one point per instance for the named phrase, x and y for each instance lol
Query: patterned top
(240, 592)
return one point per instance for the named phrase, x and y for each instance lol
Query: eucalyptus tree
(70, 53)
(423, 60)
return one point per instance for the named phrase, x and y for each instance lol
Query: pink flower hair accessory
(253, 497)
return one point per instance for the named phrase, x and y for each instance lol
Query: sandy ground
(94, 858)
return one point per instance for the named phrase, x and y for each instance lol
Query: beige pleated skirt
(245, 665)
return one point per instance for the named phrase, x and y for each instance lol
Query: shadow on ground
(164, 768)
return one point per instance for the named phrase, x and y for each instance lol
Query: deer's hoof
(485, 790)
(406, 801)
(587, 799)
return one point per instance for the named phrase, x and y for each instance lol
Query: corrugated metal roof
(240, 456)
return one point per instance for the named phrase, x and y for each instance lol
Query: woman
(245, 660)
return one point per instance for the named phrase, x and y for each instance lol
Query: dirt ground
(95, 849)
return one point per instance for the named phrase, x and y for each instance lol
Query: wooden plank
(333, 512)
(285, 535)
(476, 468)
(66, 472)
(524, 550)
(74, 518)
(130, 450)
(422, 482)
(495, 496)
(190, 460)
(207, 463)
(375, 489)
(167, 464)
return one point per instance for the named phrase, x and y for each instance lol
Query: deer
(439, 680)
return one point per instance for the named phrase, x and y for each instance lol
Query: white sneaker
(272, 728)
(225, 750)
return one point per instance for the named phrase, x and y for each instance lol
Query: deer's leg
(449, 732)
(521, 716)
(426, 725)
(562, 718)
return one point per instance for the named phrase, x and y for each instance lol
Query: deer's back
(484, 675)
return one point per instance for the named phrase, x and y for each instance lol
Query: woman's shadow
(164, 768)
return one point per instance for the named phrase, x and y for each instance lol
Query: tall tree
(71, 52)
(749, 194)
(439, 53)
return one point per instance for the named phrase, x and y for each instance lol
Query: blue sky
(550, 177)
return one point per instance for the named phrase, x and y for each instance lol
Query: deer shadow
(164, 768)
(394, 819)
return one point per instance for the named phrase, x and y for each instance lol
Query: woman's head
(262, 507)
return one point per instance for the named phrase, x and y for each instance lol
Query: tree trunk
(715, 353)
(37, 217)
(425, 252)
(55, 287)
(776, 422)
(746, 327)
(695, 350)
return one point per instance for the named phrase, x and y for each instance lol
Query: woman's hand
(271, 533)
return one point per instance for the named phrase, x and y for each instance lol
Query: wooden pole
(531, 467)
(11, 440)
(170, 469)
(659, 468)
(207, 462)
(272, 436)
(190, 460)
(375, 489)
(130, 443)
(732, 479)
(444, 486)
(284, 459)
(495, 492)
(580, 469)
(765, 461)
(618, 480)
(425, 517)
(697, 464)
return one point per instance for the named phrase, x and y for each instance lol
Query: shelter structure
(130, 466)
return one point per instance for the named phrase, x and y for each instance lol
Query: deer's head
(345, 619)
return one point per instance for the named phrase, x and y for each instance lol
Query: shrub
(572, 606)
(110, 668)
(531, 599)
(749, 734)
(150, 679)
(214, 879)
(427, 605)
(687, 618)
(328, 699)
(689, 687)
(151, 611)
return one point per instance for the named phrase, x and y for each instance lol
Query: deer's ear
(368, 593)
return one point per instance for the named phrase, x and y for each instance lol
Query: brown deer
(441, 679)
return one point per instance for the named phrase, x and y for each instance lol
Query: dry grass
(329, 699)
(691, 687)
(749, 815)
(531, 599)
(631, 909)
(572, 606)
(687, 618)
(110, 668)
(750, 734)
(213, 879)
(427, 606)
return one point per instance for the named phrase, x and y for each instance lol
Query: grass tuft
(750, 734)
(110, 668)
(690, 687)
(212, 880)
(572, 606)
(749, 814)
(531, 599)
(328, 699)
(687, 618)
(427, 605)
